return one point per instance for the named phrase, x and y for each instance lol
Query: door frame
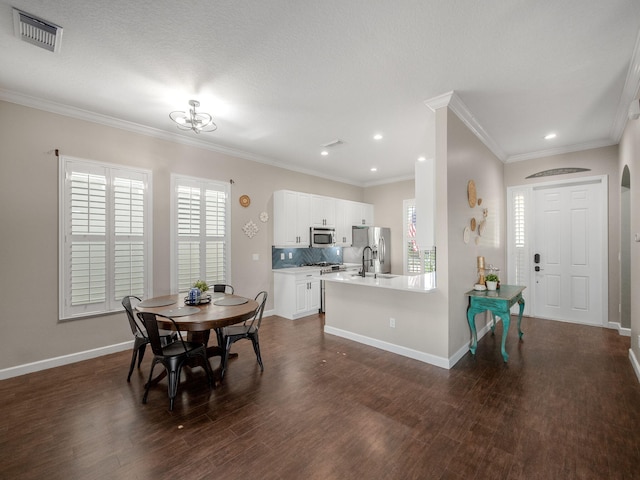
(526, 273)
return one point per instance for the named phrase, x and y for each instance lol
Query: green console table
(498, 302)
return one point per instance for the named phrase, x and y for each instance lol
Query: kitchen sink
(378, 275)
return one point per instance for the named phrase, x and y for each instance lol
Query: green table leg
(506, 321)
(521, 305)
(471, 318)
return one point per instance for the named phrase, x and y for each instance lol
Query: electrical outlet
(282, 256)
(392, 322)
(290, 255)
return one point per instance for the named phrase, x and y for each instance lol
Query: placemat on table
(230, 301)
(156, 302)
(179, 312)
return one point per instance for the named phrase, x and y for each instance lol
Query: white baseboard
(63, 360)
(405, 351)
(634, 363)
(389, 347)
(623, 331)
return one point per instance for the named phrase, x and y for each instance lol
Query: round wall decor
(245, 201)
(264, 217)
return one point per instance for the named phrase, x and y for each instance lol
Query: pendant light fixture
(192, 120)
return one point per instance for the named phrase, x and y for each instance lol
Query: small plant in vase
(492, 281)
(201, 285)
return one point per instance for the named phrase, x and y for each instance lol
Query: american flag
(412, 228)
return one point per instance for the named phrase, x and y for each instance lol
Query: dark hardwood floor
(566, 406)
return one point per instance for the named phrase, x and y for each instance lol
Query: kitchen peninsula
(397, 313)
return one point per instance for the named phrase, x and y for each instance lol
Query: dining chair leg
(256, 348)
(134, 354)
(148, 385)
(141, 351)
(225, 357)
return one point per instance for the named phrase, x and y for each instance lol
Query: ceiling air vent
(39, 32)
(333, 143)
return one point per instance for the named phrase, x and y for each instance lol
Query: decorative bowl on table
(204, 298)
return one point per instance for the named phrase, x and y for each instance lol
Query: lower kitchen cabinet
(296, 295)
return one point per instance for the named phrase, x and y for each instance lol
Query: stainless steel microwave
(322, 237)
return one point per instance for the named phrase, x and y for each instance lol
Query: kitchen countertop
(307, 269)
(409, 283)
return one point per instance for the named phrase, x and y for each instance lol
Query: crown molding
(561, 150)
(628, 95)
(86, 115)
(457, 106)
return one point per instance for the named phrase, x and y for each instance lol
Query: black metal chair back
(173, 355)
(223, 288)
(249, 330)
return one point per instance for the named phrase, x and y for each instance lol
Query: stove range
(327, 267)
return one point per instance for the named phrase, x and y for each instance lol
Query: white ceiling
(283, 77)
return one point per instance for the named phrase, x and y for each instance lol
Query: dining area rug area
(564, 406)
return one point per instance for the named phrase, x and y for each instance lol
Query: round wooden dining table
(198, 321)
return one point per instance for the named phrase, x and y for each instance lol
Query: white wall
(630, 156)
(29, 217)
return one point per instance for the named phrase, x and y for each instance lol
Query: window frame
(67, 165)
(426, 258)
(204, 184)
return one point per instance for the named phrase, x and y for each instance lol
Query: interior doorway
(625, 249)
(557, 247)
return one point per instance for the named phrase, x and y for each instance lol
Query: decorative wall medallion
(466, 234)
(264, 217)
(250, 229)
(471, 193)
(473, 224)
(245, 201)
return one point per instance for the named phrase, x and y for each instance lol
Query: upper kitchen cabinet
(348, 214)
(361, 214)
(323, 211)
(294, 213)
(291, 218)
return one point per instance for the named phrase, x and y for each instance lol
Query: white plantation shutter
(415, 261)
(104, 236)
(200, 239)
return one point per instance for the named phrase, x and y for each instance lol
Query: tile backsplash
(304, 256)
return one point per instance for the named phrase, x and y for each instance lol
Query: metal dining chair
(172, 356)
(249, 330)
(140, 335)
(222, 288)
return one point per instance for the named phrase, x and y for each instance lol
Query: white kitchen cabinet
(343, 222)
(291, 218)
(295, 212)
(348, 214)
(323, 211)
(296, 295)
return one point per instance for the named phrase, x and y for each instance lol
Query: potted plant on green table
(491, 281)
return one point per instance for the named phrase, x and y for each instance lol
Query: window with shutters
(200, 232)
(416, 261)
(105, 236)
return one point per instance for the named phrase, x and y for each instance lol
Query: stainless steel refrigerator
(378, 259)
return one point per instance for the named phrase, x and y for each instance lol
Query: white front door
(567, 250)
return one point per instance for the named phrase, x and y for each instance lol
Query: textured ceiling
(282, 78)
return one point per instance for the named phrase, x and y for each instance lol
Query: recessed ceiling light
(374, 169)
(377, 136)
(549, 136)
(421, 159)
(324, 153)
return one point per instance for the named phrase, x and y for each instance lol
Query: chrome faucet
(364, 270)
